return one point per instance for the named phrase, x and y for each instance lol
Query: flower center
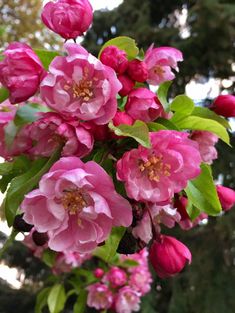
(158, 70)
(155, 168)
(73, 201)
(83, 90)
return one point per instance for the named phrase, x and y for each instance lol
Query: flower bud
(68, 18)
(169, 256)
(116, 276)
(114, 58)
(20, 225)
(143, 104)
(99, 273)
(137, 70)
(127, 85)
(21, 72)
(226, 197)
(224, 105)
(122, 118)
(40, 239)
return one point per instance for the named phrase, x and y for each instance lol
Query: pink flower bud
(99, 273)
(143, 104)
(21, 72)
(226, 197)
(224, 105)
(127, 85)
(115, 58)
(68, 18)
(137, 70)
(122, 118)
(169, 256)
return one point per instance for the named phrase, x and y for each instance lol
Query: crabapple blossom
(116, 277)
(155, 174)
(99, 296)
(80, 86)
(115, 58)
(206, 142)
(75, 210)
(159, 62)
(165, 215)
(169, 256)
(143, 104)
(68, 18)
(122, 118)
(21, 72)
(48, 132)
(66, 261)
(127, 300)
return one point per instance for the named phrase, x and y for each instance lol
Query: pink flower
(66, 261)
(140, 280)
(75, 209)
(169, 256)
(115, 58)
(160, 215)
(29, 243)
(159, 62)
(226, 196)
(127, 300)
(206, 142)
(99, 296)
(157, 173)
(116, 277)
(224, 105)
(80, 86)
(99, 132)
(127, 85)
(21, 72)
(68, 18)
(137, 70)
(51, 130)
(143, 104)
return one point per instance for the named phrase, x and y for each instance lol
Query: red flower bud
(127, 85)
(137, 70)
(169, 256)
(99, 273)
(226, 197)
(181, 204)
(122, 118)
(114, 58)
(224, 105)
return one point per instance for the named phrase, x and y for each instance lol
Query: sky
(105, 4)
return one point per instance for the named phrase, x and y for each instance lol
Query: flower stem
(8, 242)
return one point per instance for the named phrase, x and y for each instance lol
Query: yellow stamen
(155, 168)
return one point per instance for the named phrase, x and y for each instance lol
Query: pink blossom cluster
(120, 288)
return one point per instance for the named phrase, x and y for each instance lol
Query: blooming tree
(96, 163)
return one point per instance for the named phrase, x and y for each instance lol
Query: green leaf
(166, 123)
(80, 305)
(29, 113)
(4, 94)
(201, 192)
(108, 251)
(46, 56)
(124, 43)
(207, 113)
(49, 257)
(139, 131)
(56, 299)
(23, 184)
(128, 263)
(198, 123)
(41, 301)
(153, 127)
(182, 106)
(162, 93)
